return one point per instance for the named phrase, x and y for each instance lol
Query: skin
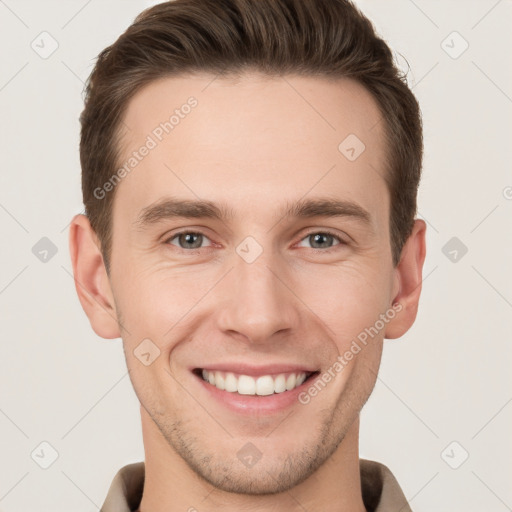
(253, 144)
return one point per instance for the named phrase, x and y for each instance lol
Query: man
(250, 171)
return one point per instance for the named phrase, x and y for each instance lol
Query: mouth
(257, 386)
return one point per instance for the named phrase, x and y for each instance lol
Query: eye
(188, 240)
(322, 240)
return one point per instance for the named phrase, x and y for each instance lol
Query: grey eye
(188, 240)
(321, 240)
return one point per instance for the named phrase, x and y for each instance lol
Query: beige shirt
(380, 489)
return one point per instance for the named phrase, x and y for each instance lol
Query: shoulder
(381, 491)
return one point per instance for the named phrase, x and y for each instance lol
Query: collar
(380, 489)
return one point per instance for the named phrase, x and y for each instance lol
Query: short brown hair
(324, 38)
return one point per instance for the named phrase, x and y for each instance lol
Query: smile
(263, 385)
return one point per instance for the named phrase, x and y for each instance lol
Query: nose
(258, 303)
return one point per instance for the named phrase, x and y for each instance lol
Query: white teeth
(300, 379)
(247, 385)
(290, 382)
(231, 383)
(280, 384)
(265, 385)
(219, 381)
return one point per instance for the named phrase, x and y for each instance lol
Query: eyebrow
(171, 208)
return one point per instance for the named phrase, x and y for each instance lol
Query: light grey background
(447, 380)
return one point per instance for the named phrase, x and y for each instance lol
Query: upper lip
(251, 370)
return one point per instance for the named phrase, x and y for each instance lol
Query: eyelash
(329, 233)
(322, 232)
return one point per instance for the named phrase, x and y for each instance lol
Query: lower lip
(256, 404)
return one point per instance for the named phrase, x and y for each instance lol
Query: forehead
(255, 103)
(252, 138)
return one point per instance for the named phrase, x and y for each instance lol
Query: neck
(170, 485)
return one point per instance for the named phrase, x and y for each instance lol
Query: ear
(407, 282)
(91, 280)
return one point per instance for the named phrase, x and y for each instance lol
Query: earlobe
(91, 281)
(408, 279)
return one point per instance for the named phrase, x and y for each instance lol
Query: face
(246, 241)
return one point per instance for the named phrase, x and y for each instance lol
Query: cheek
(348, 298)
(159, 305)
(163, 305)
